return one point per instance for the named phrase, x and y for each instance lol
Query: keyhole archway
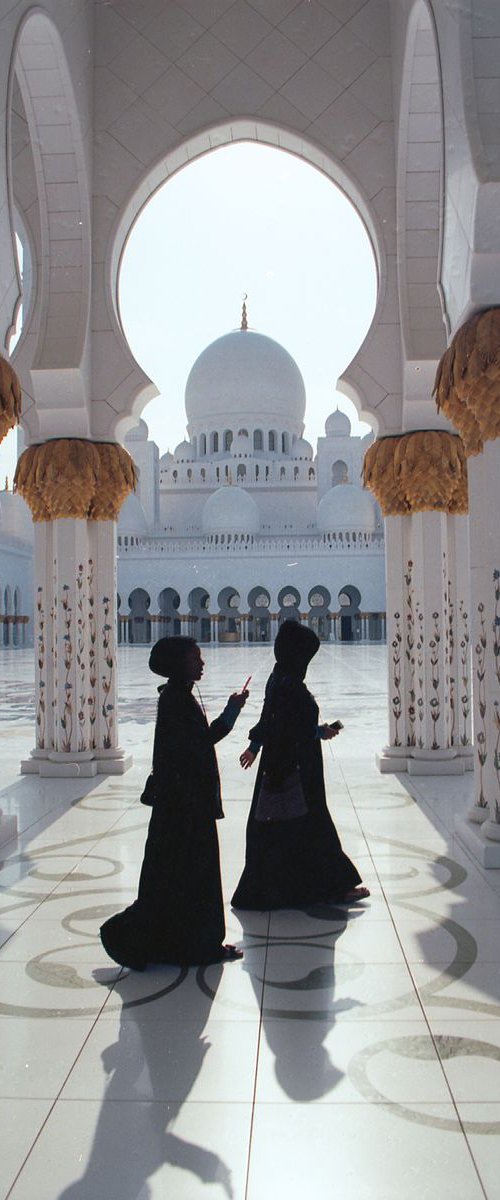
(183, 284)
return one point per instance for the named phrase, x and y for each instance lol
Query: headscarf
(168, 656)
(294, 647)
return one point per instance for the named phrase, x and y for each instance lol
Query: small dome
(230, 510)
(302, 449)
(166, 460)
(241, 445)
(184, 452)
(132, 518)
(346, 506)
(16, 517)
(338, 425)
(139, 433)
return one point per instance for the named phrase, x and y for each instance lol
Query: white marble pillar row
(481, 831)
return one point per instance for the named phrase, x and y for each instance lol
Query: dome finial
(244, 321)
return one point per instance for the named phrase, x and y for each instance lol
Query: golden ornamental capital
(72, 477)
(10, 398)
(467, 386)
(422, 471)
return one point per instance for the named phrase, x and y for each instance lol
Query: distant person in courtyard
(178, 916)
(293, 851)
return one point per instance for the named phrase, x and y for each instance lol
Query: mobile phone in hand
(246, 683)
(336, 725)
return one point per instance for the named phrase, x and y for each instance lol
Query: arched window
(284, 443)
(228, 439)
(190, 475)
(242, 432)
(214, 443)
(339, 472)
(203, 445)
(258, 440)
(272, 441)
(203, 474)
(241, 472)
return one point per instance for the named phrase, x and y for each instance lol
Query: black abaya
(292, 863)
(178, 916)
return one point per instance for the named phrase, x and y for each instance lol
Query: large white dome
(346, 506)
(230, 510)
(245, 373)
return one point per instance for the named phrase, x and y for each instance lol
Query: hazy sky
(245, 218)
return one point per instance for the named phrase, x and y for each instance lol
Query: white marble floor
(349, 1056)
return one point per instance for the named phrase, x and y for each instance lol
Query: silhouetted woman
(293, 862)
(178, 916)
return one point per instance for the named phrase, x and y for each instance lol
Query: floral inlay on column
(464, 673)
(420, 672)
(107, 678)
(55, 653)
(67, 713)
(450, 651)
(410, 656)
(40, 710)
(434, 661)
(81, 631)
(396, 677)
(496, 702)
(92, 698)
(482, 752)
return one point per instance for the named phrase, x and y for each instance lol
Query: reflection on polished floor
(349, 1056)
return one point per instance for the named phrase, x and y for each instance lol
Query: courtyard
(351, 1053)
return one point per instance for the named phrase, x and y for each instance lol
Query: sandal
(230, 953)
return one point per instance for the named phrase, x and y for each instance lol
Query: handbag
(286, 802)
(148, 795)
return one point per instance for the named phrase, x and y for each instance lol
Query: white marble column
(481, 831)
(75, 641)
(428, 645)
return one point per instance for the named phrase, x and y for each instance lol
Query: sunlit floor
(349, 1056)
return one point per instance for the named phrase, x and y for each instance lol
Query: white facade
(237, 513)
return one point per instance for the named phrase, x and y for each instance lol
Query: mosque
(243, 526)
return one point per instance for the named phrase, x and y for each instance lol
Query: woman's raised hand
(247, 758)
(239, 698)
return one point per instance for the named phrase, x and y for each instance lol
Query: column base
(437, 766)
(474, 838)
(397, 759)
(392, 760)
(86, 765)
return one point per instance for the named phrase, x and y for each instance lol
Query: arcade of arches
(248, 620)
(398, 104)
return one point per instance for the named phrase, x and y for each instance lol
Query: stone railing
(254, 544)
